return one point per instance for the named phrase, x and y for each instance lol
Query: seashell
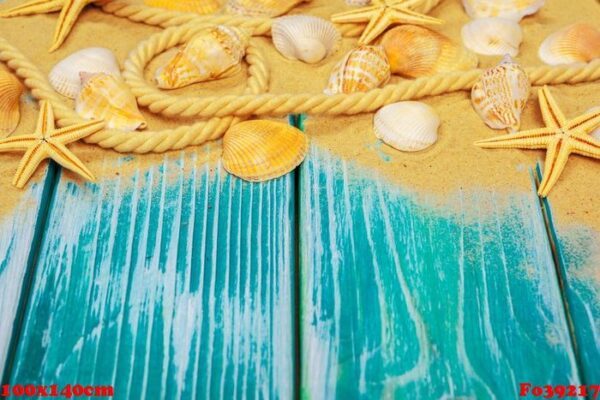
(501, 94)
(493, 36)
(192, 6)
(106, 97)
(261, 8)
(305, 38)
(407, 126)
(260, 150)
(10, 94)
(64, 77)
(414, 51)
(361, 70)
(596, 132)
(215, 53)
(511, 9)
(579, 42)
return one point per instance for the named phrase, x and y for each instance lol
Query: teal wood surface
(175, 283)
(403, 300)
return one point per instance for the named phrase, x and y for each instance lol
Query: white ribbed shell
(493, 36)
(305, 38)
(407, 126)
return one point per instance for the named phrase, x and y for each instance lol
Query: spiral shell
(407, 126)
(306, 38)
(501, 94)
(361, 70)
(577, 43)
(415, 51)
(10, 94)
(260, 150)
(493, 36)
(511, 9)
(261, 8)
(193, 6)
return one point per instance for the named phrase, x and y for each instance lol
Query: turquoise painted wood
(175, 283)
(403, 300)
(19, 235)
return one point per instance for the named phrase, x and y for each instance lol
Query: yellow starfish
(49, 142)
(383, 14)
(70, 10)
(560, 137)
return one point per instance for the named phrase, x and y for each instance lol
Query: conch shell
(306, 38)
(261, 8)
(193, 6)
(501, 94)
(415, 51)
(577, 43)
(10, 94)
(493, 36)
(361, 70)
(105, 97)
(407, 126)
(215, 53)
(511, 9)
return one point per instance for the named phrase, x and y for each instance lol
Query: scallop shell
(193, 6)
(407, 126)
(261, 8)
(512, 9)
(579, 42)
(501, 94)
(414, 51)
(215, 53)
(305, 38)
(260, 150)
(105, 97)
(10, 94)
(493, 36)
(361, 70)
(64, 77)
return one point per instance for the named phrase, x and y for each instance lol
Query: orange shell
(10, 94)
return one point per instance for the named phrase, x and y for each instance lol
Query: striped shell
(415, 51)
(501, 94)
(260, 150)
(407, 126)
(10, 94)
(361, 70)
(215, 53)
(305, 38)
(512, 9)
(105, 97)
(192, 6)
(493, 36)
(261, 8)
(64, 77)
(577, 43)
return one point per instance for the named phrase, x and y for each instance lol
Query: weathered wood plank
(174, 282)
(402, 299)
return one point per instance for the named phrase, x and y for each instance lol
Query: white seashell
(305, 38)
(64, 77)
(577, 43)
(511, 9)
(407, 126)
(596, 132)
(493, 36)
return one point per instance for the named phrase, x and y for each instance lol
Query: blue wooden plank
(176, 281)
(404, 299)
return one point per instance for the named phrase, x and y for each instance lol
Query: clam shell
(576, 43)
(64, 77)
(305, 38)
(361, 70)
(261, 8)
(511, 9)
(407, 126)
(415, 51)
(106, 97)
(10, 94)
(493, 36)
(193, 6)
(215, 53)
(501, 94)
(260, 150)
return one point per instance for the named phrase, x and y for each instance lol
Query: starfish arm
(45, 122)
(556, 160)
(553, 116)
(33, 7)
(403, 15)
(586, 145)
(74, 133)
(585, 123)
(533, 139)
(360, 15)
(29, 164)
(66, 20)
(68, 160)
(18, 143)
(376, 26)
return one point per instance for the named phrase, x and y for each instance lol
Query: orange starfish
(383, 14)
(48, 142)
(560, 137)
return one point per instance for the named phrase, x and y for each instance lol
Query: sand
(453, 163)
